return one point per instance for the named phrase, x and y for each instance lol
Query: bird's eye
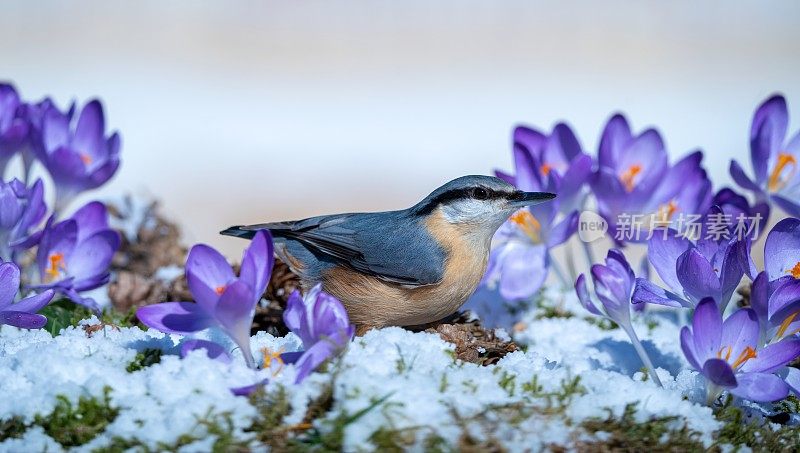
(480, 193)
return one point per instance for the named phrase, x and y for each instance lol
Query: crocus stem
(712, 392)
(587, 250)
(642, 354)
(557, 269)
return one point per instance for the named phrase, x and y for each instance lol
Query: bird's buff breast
(372, 302)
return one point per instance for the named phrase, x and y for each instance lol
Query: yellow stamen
(747, 354)
(219, 290)
(795, 271)
(727, 353)
(528, 224)
(87, 159)
(56, 266)
(629, 175)
(775, 181)
(785, 325)
(546, 168)
(269, 357)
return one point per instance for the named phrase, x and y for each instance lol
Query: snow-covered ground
(391, 386)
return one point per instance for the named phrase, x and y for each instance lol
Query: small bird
(401, 268)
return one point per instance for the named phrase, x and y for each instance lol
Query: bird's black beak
(520, 198)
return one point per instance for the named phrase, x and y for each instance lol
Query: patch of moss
(757, 435)
(601, 323)
(220, 426)
(63, 313)
(508, 383)
(626, 434)
(331, 437)
(14, 427)
(72, 425)
(144, 359)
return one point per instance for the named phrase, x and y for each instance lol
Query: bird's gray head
(483, 202)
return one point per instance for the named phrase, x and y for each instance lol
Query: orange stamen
(775, 181)
(795, 271)
(219, 290)
(727, 353)
(546, 168)
(87, 159)
(629, 175)
(528, 224)
(666, 211)
(785, 325)
(269, 357)
(747, 354)
(56, 266)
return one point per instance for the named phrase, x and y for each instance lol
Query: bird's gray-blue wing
(370, 243)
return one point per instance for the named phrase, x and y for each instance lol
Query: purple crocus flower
(613, 286)
(222, 300)
(775, 293)
(520, 257)
(21, 209)
(559, 153)
(13, 127)
(634, 183)
(22, 313)
(774, 159)
(79, 157)
(693, 270)
(728, 356)
(323, 326)
(74, 255)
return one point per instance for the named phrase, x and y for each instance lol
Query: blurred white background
(239, 112)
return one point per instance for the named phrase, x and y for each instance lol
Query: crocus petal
(567, 141)
(23, 320)
(731, 271)
(782, 248)
(767, 132)
(527, 177)
(739, 176)
(687, 346)
(645, 291)
(291, 357)
(91, 218)
(313, 358)
(9, 283)
(33, 303)
(583, 296)
(207, 275)
(175, 317)
(563, 230)
(524, 270)
(719, 372)
(574, 178)
(706, 329)
(759, 297)
(612, 289)
(792, 378)
(760, 387)
(696, 275)
(615, 135)
(773, 357)
(257, 262)
(740, 331)
(234, 312)
(663, 253)
(93, 256)
(248, 390)
(788, 204)
(213, 350)
(294, 317)
(784, 301)
(89, 131)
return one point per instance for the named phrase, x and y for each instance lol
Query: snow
(419, 386)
